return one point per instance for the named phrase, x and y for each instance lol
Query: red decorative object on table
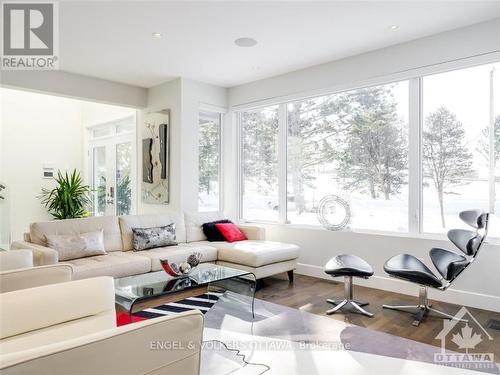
(171, 269)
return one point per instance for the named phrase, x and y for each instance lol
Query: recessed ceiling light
(393, 27)
(245, 42)
(157, 35)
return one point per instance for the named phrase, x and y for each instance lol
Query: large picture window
(259, 164)
(406, 156)
(354, 145)
(209, 161)
(460, 113)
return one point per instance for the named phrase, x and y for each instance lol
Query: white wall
(438, 49)
(97, 113)
(1, 133)
(36, 129)
(4, 203)
(165, 96)
(479, 285)
(183, 98)
(73, 85)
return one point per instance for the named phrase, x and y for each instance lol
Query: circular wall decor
(334, 213)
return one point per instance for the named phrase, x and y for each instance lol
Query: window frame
(415, 130)
(415, 121)
(220, 200)
(480, 60)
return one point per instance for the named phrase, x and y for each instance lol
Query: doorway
(112, 163)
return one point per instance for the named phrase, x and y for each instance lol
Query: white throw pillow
(74, 246)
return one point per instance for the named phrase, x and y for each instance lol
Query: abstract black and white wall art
(156, 158)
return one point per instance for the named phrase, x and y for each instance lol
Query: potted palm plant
(69, 199)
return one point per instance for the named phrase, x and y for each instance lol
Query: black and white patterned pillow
(149, 238)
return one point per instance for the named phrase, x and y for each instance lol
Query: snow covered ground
(380, 214)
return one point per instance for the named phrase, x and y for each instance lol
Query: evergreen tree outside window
(355, 145)
(259, 164)
(209, 160)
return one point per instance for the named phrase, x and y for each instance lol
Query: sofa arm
(57, 304)
(42, 255)
(253, 232)
(166, 345)
(36, 276)
(14, 260)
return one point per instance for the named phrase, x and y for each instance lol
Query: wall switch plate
(48, 171)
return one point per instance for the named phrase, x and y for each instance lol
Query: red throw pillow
(231, 232)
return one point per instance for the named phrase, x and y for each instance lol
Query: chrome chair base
(422, 309)
(353, 304)
(336, 301)
(340, 303)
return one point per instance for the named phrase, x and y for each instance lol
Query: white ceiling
(112, 39)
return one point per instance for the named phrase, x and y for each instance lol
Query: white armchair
(17, 271)
(70, 328)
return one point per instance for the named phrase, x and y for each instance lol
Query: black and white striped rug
(203, 302)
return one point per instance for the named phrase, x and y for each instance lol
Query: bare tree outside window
(446, 159)
(459, 109)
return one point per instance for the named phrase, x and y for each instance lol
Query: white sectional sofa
(263, 258)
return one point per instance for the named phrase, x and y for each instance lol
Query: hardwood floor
(310, 294)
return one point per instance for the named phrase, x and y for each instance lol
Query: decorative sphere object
(194, 259)
(175, 267)
(185, 268)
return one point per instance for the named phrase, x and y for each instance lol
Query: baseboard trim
(456, 296)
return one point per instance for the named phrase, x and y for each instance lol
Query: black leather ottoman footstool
(348, 266)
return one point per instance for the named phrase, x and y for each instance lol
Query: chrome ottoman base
(348, 300)
(348, 266)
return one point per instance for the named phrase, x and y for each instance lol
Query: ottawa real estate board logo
(30, 35)
(463, 344)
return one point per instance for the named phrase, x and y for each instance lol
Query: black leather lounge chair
(448, 263)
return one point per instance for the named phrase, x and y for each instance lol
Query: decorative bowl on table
(182, 269)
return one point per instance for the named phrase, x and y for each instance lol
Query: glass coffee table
(140, 292)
